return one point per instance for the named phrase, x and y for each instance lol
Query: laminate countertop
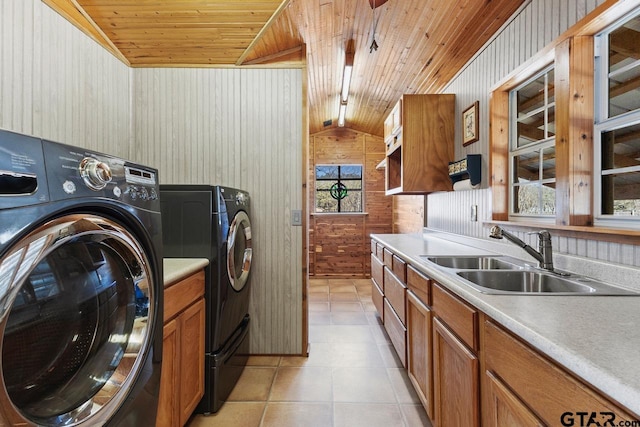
(595, 337)
(176, 269)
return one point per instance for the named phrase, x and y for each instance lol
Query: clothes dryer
(213, 222)
(80, 287)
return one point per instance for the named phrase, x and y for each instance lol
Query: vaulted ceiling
(421, 44)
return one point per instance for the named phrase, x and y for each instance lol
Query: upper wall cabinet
(419, 135)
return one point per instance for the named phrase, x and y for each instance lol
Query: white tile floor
(351, 378)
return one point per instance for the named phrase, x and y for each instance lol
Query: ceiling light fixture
(346, 82)
(342, 113)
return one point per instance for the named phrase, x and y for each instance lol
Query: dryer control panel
(22, 173)
(75, 172)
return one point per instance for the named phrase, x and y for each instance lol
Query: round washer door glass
(239, 250)
(75, 296)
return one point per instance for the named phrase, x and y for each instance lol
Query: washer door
(75, 297)
(239, 250)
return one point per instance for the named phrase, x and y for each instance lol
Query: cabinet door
(456, 384)
(419, 350)
(504, 408)
(168, 406)
(542, 385)
(192, 359)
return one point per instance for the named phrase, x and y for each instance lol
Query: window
(532, 154)
(339, 188)
(617, 124)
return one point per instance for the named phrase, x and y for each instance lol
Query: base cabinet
(469, 371)
(504, 408)
(182, 379)
(419, 341)
(456, 381)
(519, 382)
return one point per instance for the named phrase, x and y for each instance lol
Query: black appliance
(202, 221)
(80, 286)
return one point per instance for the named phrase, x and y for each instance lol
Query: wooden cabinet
(393, 121)
(377, 285)
(182, 380)
(389, 295)
(419, 344)
(503, 408)
(395, 292)
(455, 361)
(467, 370)
(396, 331)
(395, 298)
(419, 139)
(519, 382)
(456, 382)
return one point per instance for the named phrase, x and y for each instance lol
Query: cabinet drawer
(373, 247)
(542, 385)
(378, 299)
(397, 332)
(377, 272)
(380, 251)
(419, 285)
(388, 258)
(180, 295)
(399, 268)
(396, 292)
(461, 318)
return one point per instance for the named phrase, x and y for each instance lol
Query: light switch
(296, 217)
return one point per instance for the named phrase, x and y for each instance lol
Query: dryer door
(76, 310)
(239, 251)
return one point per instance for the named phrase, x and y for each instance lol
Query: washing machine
(80, 287)
(213, 222)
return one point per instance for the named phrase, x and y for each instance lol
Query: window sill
(605, 234)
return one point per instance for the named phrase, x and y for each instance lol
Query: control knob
(95, 174)
(241, 199)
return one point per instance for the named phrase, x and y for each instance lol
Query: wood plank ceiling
(422, 44)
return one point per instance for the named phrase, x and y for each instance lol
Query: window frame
(603, 123)
(574, 214)
(338, 180)
(540, 145)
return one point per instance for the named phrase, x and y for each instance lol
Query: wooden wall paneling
(574, 94)
(340, 245)
(240, 128)
(499, 154)
(341, 146)
(408, 213)
(489, 67)
(311, 186)
(57, 84)
(378, 206)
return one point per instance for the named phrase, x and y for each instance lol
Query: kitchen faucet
(544, 254)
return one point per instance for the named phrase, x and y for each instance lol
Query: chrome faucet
(544, 254)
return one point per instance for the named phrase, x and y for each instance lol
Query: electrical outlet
(474, 213)
(296, 217)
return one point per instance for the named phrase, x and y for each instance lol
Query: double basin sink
(509, 276)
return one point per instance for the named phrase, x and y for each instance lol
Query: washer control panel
(76, 172)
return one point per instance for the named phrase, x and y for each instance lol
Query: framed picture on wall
(470, 124)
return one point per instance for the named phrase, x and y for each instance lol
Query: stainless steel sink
(532, 282)
(474, 263)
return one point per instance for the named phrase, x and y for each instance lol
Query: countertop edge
(176, 269)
